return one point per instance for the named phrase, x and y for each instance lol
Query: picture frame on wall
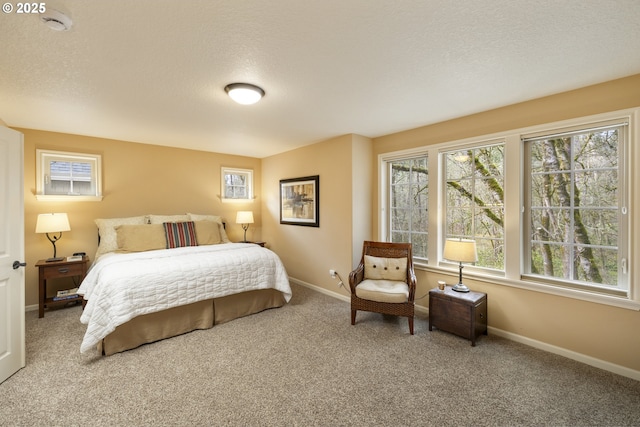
(300, 201)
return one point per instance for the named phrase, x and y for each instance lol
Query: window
(237, 185)
(408, 202)
(575, 208)
(474, 200)
(550, 207)
(68, 176)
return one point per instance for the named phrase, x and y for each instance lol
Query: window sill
(52, 198)
(620, 302)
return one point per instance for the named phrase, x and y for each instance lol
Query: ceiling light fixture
(56, 20)
(244, 93)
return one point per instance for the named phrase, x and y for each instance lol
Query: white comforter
(119, 287)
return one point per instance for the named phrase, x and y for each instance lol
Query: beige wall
(138, 179)
(599, 331)
(309, 252)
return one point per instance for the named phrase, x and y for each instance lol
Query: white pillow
(376, 268)
(107, 232)
(214, 218)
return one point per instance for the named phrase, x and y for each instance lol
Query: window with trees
(474, 200)
(549, 206)
(575, 208)
(237, 185)
(408, 203)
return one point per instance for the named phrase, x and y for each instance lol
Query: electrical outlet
(332, 273)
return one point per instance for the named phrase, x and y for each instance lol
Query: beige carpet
(305, 365)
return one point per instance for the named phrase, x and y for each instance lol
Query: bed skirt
(179, 320)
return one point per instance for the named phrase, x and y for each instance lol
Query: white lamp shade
(244, 93)
(52, 223)
(244, 217)
(460, 250)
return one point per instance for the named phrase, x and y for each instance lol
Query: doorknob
(17, 264)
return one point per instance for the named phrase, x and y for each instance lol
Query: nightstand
(56, 270)
(461, 313)
(256, 243)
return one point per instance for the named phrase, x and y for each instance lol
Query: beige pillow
(215, 218)
(139, 238)
(376, 268)
(207, 232)
(160, 219)
(107, 232)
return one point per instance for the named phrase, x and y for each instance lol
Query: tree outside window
(474, 200)
(574, 206)
(237, 185)
(408, 202)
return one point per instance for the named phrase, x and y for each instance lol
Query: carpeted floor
(304, 364)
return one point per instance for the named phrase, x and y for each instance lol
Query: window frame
(412, 231)
(623, 237)
(442, 157)
(45, 156)
(514, 189)
(224, 170)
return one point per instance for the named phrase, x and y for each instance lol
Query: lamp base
(58, 259)
(460, 288)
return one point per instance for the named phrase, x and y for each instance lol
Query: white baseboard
(579, 357)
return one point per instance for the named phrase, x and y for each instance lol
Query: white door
(12, 353)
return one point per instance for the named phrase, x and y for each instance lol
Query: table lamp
(53, 223)
(460, 250)
(245, 218)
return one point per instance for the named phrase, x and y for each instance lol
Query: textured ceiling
(154, 71)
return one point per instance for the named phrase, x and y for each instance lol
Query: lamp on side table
(245, 218)
(53, 223)
(460, 250)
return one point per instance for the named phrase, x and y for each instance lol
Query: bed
(155, 277)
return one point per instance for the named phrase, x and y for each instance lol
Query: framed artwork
(300, 201)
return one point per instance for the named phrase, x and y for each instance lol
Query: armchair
(384, 281)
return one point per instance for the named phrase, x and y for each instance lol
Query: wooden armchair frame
(384, 250)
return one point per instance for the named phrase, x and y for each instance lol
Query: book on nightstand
(66, 294)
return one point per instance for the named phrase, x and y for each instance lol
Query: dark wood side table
(55, 270)
(461, 313)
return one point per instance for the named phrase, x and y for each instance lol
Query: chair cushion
(377, 268)
(383, 290)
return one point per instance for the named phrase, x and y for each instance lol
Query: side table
(460, 313)
(55, 270)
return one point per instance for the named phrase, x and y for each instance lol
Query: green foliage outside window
(409, 190)
(574, 204)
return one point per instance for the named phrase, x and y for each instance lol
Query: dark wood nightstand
(55, 270)
(256, 243)
(461, 313)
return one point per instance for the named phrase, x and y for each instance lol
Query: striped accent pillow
(180, 234)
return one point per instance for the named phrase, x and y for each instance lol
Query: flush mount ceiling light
(244, 93)
(56, 20)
